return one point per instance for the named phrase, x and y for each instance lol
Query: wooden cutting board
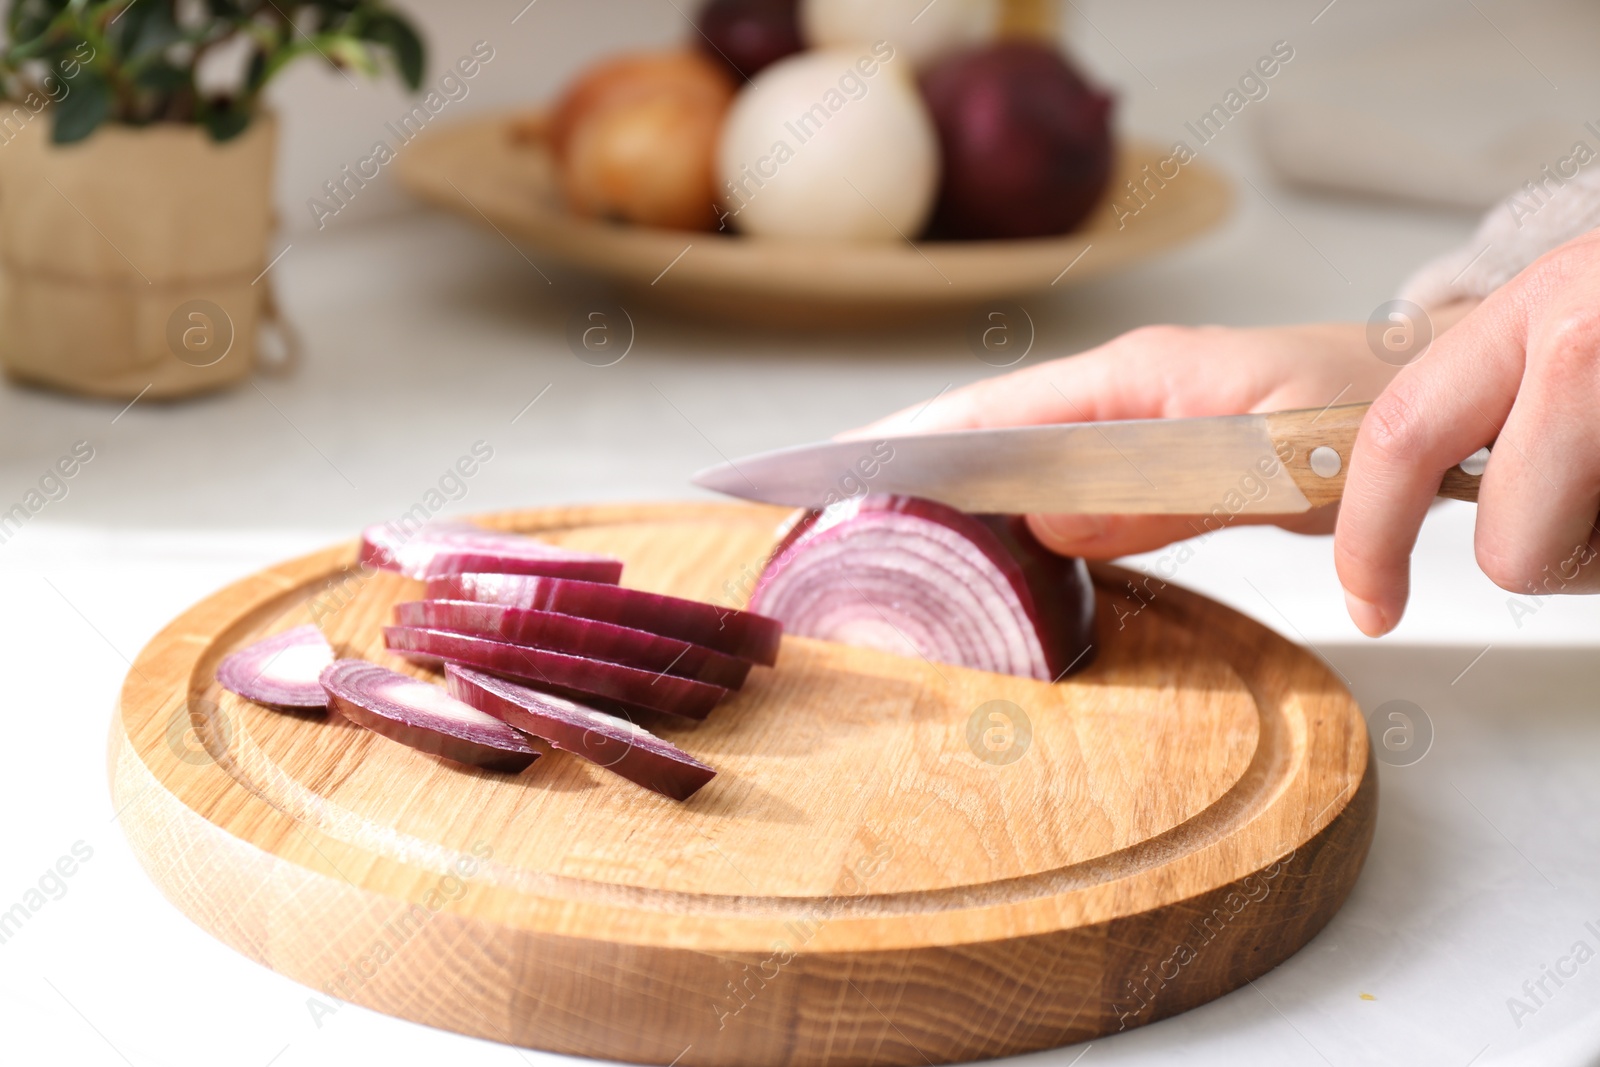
(899, 863)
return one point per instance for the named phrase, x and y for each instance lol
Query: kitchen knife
(1280, 463)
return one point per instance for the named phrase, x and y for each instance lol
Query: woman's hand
(1520, 372)
(1164, 372)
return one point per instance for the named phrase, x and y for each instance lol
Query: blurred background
(418, 327)
(421, 330)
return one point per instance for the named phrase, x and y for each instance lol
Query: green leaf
(130, 45)
(345, 51)
(85, 107)
(403, 43)
(124, 31)
(256, 73)
(154, 32)
(27, 19)
(162, 78)
(224, 122)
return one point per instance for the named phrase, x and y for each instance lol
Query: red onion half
(437, 549)
(737, 633)
(281, 671)
(917, 578)
(616, 744)
(424, 717)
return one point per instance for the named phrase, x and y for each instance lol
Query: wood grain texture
(1297, 434)
(478, 170)
(862, 884)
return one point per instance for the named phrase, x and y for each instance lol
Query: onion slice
(616, 744)
(914, 577)
(437, 549)
(574, 676)
(577, 637)
(281, 671)
(736, 633)
(424, 717)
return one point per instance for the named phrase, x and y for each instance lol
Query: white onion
(921, 30)
(832, 145)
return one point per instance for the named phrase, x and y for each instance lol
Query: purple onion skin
(577, 637)
(444, 563)
(749, 35)
(1026, 142)
(435, 550)
(351, 688)
(1061, 594)
(617, 745)
(1055, 591)
(737, 633)
(571, 676)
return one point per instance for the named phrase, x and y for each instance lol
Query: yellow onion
(635, 139)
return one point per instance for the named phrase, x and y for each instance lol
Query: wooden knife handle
(1315, 448)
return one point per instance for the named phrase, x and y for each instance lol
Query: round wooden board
(875, 877)
(476, 170)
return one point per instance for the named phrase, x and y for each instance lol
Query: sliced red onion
(914, 577)
(577, 637)
(282, 670)
(424, 717)
(616, 744)
(437, 549)
(627, 687)
(736, 633)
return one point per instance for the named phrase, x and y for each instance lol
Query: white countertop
(424, 335)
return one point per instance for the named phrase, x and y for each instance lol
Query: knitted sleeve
(1540, 216)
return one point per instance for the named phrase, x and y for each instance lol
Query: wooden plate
(474, 169)
(884, 872)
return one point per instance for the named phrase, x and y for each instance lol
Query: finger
(1111, 536)
(1155, 372)
(1540, 495)
(1130, 377)
(1062, 390)
(1437, 412)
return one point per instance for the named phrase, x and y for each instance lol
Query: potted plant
(136, 160)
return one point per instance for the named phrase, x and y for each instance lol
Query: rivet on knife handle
(1315, 446)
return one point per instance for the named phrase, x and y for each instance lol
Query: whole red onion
(1026, 142)
(748, 35)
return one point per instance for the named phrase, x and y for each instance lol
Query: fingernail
(1073, 529)
(1368, 617)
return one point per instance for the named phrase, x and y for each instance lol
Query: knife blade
(1279, 463)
